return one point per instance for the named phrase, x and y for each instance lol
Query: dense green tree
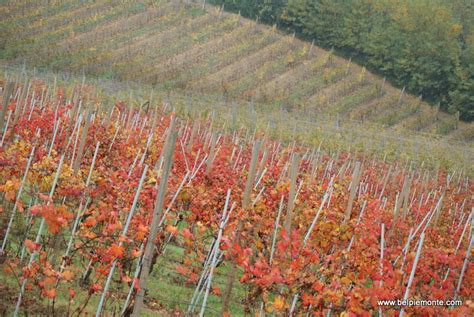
(462, 98)
(268, 11)
(416, 46)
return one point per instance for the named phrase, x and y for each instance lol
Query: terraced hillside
(182, 45)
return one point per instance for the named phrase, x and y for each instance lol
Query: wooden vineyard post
(401, 95)
(212, 154)
(353, 190)
(221, 11)
(251, 175)
(157, 214)
(234, 117)
(315, 165)
(385, 181)
(160, 161)
(382, 87)
(348, 67)
(406, 198)
(77, 163)
(361, 76)
(6, 100)
(311, 48)
(401, 199)
(245, 203)
(261, 168)
(194, 130)
(130, 111)
(73, 114)
(19, 104)
(291, 195)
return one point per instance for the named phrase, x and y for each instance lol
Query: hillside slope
(229, 197)
(175, 45)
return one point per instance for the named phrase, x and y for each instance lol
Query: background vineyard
(183, 45)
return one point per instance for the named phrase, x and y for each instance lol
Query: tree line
(426, 46)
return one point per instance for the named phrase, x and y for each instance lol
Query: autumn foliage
(335, 267)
